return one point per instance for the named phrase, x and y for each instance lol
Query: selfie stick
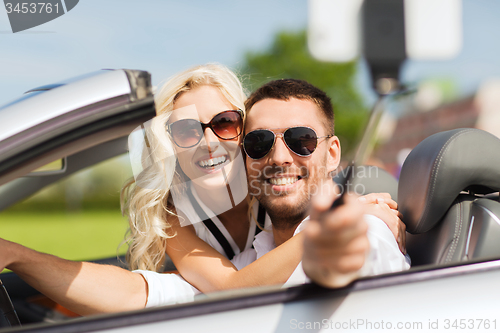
(384, 50)
(365, 147)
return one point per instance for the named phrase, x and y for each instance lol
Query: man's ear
(333, 154)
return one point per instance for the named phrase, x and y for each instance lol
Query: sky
(164, 37)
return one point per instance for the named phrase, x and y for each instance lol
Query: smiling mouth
(283, 181)
(212, 162)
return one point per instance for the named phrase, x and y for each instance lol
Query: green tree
(288, 57)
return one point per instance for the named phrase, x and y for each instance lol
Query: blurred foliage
(77, 218)
(78, 236)
(95, 188)
(288, 57)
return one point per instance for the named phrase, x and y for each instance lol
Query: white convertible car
(448, 193)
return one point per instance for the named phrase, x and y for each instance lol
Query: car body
(87, 120)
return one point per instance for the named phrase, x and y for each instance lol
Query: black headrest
(442, 166)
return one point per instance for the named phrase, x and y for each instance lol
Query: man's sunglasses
(187, 133)
(300, 140)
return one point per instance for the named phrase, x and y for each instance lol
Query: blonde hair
(147, 207)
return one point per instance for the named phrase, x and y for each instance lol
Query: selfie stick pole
(385, 50)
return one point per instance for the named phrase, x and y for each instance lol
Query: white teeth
(211, 162)
(283, 181)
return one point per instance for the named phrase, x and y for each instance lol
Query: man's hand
(382, 206)
(335, 243)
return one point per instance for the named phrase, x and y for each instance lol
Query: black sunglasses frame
(204, 126)
(286, 143)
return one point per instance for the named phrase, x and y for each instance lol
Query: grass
(75, 236)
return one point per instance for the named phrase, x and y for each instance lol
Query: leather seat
(447, 195)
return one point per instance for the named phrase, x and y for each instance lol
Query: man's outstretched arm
(336, 242)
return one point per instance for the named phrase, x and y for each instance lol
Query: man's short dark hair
(285, 89)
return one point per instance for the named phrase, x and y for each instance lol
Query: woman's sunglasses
(187, 133)
(300, 140)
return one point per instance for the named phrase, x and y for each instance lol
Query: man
(286, 164)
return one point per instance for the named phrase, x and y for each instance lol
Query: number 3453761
(32, 7)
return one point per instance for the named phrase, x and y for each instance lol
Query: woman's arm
(208, 270)
(385, 208)
(82, 287)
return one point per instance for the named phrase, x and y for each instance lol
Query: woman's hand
(385, 208)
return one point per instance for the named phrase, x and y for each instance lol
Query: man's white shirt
(384, 257)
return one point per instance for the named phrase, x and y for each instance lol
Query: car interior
(448, 195)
